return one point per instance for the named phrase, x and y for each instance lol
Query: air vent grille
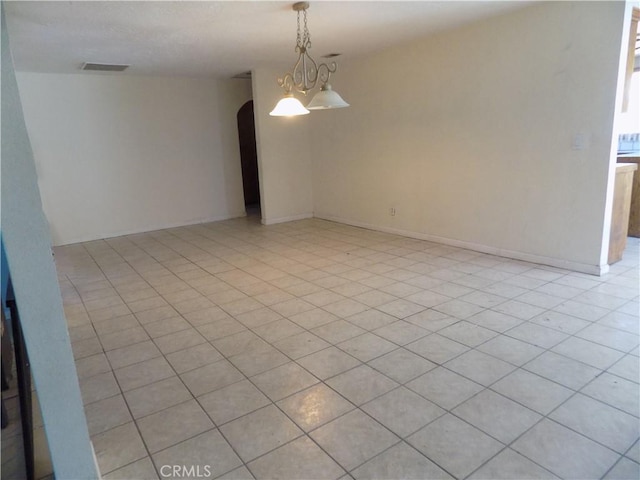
(104, 67)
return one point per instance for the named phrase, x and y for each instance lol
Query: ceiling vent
(103, 67)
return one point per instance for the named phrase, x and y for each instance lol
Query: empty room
(320, 240)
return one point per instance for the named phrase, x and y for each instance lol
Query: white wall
(468, 134)
(284, 156)
(123, 154)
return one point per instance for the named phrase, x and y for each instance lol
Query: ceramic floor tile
(292, 307)
(313, 318)
(211, 377)
(361, 384)
(208, 315)
(93, 365)
(193, 357)
(300, 458)
(602, 423)
(532, 391)
(208, 454)
(562, 370)
(615, 391)
(308, 274)
(609, 337)
(510, 350)
(400, 308)
(157, 396)
(459, 309)
(509, 465)
(143, 373)
(537, 335)
(156, 314)
(401, 332)
(560, 321)
(254, 362)
(220, 329)
(233, 401)
(167, 326)
(367, 346)
(275, 430)
(437, 348)
(283, 381)
(338, 331)
(587, 352)
(328, 362)
(496, 321)
(428, 298)
(444, 387)
(517, 309)
(582, 310)
(240, 342)
(118, 447)
(123, 357)
(431, 320)
(634, 452)
(173, 425)
(403, 411)
(625, 469)
(115, 325)
(467, 333)
(565, 453)
(483, 299)
(98, 387)
(258, 317)
(314, 406)
(345, 308)
(374, 298)
(622, 321)
(179, 341)
(480, 367)
(123, 338)
(400, 461)
(353, 439)
(240, 473)
(278, 330)
(300, 345)
(497, 416)
(402, 365)
(106, 414)
(371, 319)
(455, 445)
(142, 469)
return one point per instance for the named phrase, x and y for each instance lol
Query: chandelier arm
(324, 72)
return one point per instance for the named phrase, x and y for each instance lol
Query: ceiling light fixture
(305, 76)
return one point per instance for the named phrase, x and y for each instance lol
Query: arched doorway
(249, 158)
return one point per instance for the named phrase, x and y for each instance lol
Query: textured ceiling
(219, 39)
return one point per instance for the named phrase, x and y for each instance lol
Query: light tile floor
(316, 350)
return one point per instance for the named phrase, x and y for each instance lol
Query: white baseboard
(272, 221)
(102, 236)
(501, 252)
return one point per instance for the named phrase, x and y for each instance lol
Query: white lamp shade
(289, 106)
(326, 98)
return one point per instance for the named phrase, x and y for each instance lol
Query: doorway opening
(249, 159)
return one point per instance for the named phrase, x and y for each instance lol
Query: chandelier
(304, 77)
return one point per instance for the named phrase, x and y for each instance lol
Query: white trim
(527, 257)
(146, 229)
(293, 218)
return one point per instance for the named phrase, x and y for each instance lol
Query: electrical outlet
(392, 211)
